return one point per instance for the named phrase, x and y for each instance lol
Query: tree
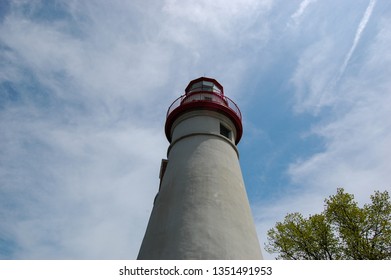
(342, 231)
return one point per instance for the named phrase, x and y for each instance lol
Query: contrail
(357, 37)
(303, 5)
(360, 29)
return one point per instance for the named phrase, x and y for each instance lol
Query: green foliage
(342, 231)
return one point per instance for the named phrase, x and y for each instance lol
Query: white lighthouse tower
(201, 210)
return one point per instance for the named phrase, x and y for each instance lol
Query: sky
(85, 87)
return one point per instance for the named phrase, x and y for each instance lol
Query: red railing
(205, 96)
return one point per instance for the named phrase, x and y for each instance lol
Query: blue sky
(85, 85)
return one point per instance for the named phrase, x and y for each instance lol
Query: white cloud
(107, 72)
(211, 36)
(82, 146)
(313, 76)
(77, 191)
(353, 121)
(217, 17)
(356, 153)
(84, 136)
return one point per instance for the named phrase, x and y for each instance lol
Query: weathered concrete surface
(202, 210)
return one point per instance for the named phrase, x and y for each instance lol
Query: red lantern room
(204, 94)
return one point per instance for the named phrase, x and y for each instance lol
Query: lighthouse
(201, 211)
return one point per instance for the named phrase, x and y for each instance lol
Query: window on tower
(205, 86)
(225, 131)
(208, 86)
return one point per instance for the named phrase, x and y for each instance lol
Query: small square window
(225, 131)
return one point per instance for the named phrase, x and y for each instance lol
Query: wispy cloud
(300, 11)
(356, 152)
(83, 88)
(313, 74)
(353, 118)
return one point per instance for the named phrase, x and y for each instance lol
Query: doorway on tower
(225, 131)
(163, 167)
